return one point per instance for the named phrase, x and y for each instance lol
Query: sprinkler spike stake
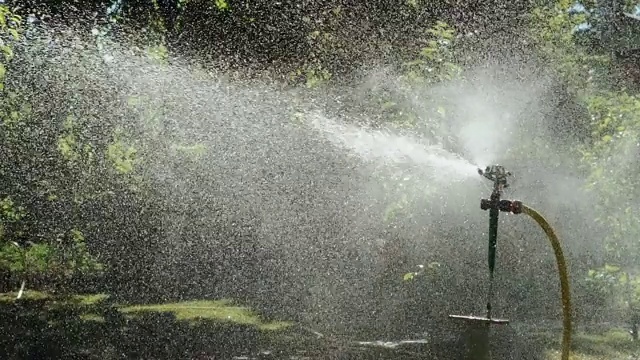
(498, 175)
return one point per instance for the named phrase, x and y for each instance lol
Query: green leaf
(133, 101)
(409, 276)
(222, 5)
(611, 268)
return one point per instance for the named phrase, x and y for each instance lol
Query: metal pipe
(493, 243)
(498, 175)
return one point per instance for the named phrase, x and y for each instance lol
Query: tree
(614, 116)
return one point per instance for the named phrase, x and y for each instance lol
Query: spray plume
(307, 198)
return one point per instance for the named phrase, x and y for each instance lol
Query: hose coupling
(510, 206)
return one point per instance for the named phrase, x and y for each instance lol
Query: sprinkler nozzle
(496, 173)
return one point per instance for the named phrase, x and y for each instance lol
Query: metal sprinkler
(477, 332)
(498, 175)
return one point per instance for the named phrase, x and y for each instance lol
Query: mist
(304, 181)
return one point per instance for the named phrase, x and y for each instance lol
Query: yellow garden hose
(564, 278)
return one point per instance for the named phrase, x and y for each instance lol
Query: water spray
(478, 330)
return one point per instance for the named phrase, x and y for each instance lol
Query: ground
(605, 345)
(93, 327)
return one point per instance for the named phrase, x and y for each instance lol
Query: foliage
(561, 34)
(71, 190)
(612, 158)
(436, 61)
(49, 175)
(9, 32)
(433, 64)
(554, 30)
(430, 270)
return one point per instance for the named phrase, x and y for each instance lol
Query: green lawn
(605, 345)
(217, 310)
(220, 310)
(95, 327)
(94, 324)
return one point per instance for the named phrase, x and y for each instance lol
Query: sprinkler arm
(498, 174)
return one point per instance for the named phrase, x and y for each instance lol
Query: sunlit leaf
(409, 276)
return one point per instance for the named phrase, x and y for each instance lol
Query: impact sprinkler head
(497, 174)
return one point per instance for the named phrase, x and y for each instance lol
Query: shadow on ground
(93, 327)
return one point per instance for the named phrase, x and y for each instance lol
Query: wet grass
(93, 327)
(52, 300)
(220, 310)
(609, 344)
(87, 307)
